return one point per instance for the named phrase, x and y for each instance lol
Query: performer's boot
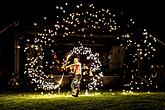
(74, 93)
(77, 92)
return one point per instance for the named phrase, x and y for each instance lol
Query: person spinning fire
(76, 70)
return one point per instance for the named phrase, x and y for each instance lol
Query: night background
(125, 56)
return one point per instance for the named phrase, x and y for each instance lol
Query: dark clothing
(75, 84)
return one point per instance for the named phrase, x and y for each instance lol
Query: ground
(85, 101)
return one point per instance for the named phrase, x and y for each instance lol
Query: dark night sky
(148, 14)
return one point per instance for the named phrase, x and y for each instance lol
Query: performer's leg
(73, 86)
(78, 81)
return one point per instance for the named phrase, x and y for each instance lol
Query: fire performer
(76, 69)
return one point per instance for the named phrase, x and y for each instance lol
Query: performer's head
(76, 60)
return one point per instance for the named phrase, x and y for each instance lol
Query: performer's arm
(74, 64)
(70, 65)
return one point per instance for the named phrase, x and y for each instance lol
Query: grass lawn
(91, 101)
